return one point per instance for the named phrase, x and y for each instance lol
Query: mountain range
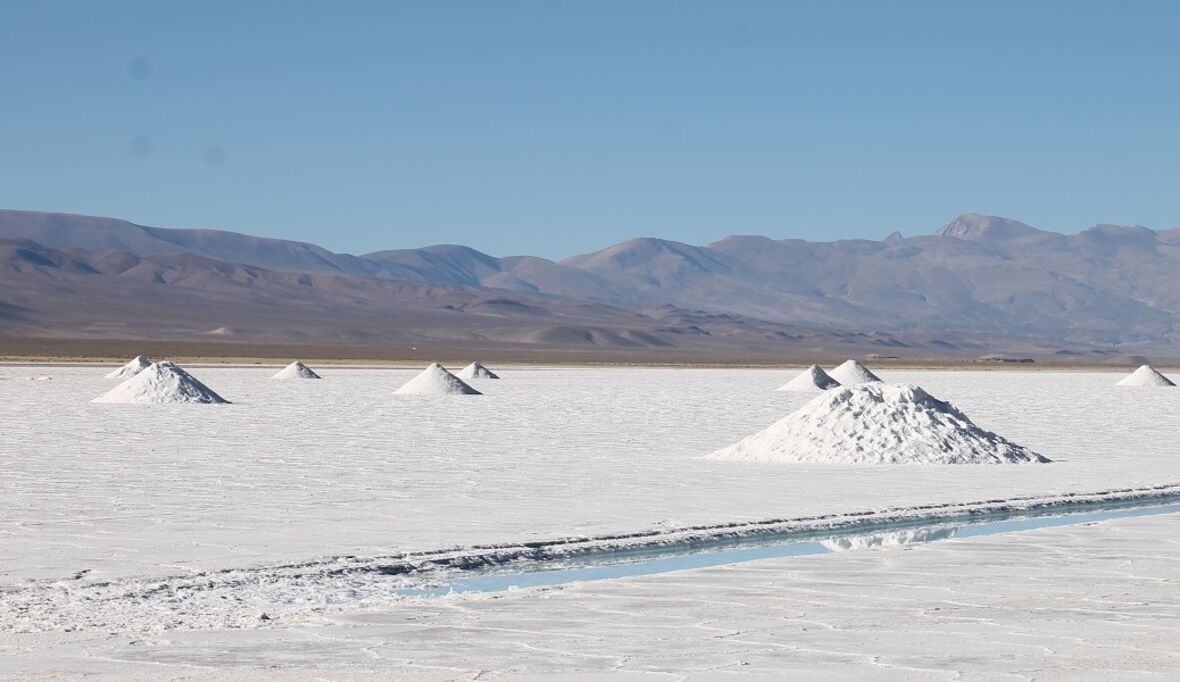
(978, 285)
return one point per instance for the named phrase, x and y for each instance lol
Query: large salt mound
(137, 365)
(1146, 375)
(814, 378)
(476, 371)
(851, 373)
(161, 383)
(434, 380)
(877, 423)
(296, 370)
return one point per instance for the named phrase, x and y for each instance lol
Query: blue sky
(554, 128)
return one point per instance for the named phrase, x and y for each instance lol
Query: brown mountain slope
(980, 280)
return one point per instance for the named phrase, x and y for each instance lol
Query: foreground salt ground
(298, 470)
(1090, 602)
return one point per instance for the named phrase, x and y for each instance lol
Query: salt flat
(293, 470)
(97, 498)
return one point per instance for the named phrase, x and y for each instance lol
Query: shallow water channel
(621, 564)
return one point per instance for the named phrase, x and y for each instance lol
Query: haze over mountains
(980, 284)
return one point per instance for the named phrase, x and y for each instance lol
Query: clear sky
(554, 128)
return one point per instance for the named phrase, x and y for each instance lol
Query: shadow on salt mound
(851, 373)
(1146, 375)
(895, 538)
(296, 370)
(436, 381)
(162, 383)
(877, 423)
(812, 379)
(476, 371)
(137, 365)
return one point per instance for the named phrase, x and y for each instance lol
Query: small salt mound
(851, 373)
(137, 365)
(814, 378)
(1146, 375)
(434, 380)
(296, 370)
(877, 423)
(476, 371)
(161, 383)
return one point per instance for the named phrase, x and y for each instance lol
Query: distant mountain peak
(647, 251)
(1121, 230)
(976, 226)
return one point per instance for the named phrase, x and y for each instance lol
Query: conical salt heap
(137, 365)
(434, 380)
(1146, 375)
(877, 423)
(812, 379)
(161, 383)
(296, 370)
(851, 373)
(476, 371)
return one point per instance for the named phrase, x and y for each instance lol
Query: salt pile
(877, 423)
(476, 371)
(137, 365)
(161, 383)
(296, 370)
(851, 373)
(434, 380)
(814, 378)
(1146, 375)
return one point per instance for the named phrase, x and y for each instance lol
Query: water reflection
(892, 538)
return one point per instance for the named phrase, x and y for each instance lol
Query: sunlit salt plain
(296, 471)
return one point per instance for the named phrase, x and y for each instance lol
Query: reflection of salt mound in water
(434, 380)
(877, 424)
(476, 371)
(814, 378)
(296, 370)
(1146, 375)
(890, 539)
(161, 383)
(851, 373)
(137, 365)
